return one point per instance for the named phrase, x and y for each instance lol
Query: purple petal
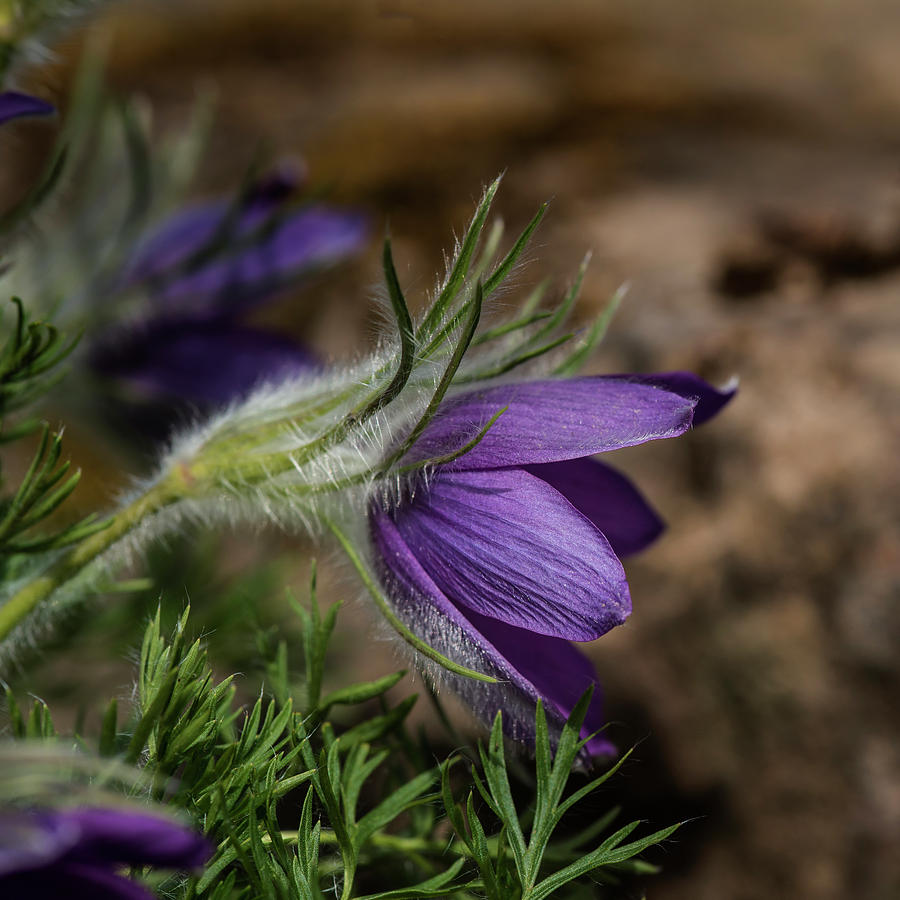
(188, 232)
(116, 836)
(177, 239)
(74, 853)
(73, 882)
(608, 499)
(14, 105)
(507, 545)
(427, 611)
(709, 399)
(310, 239)
(29, 840)
(206, 362)
(549, 421)
(559, 672)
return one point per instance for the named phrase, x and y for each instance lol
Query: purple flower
(220, 258)
(204, 269)
(512, 550)
(78, 853)
(14, 105)
(209, 362)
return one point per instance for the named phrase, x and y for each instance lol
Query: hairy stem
(74, 562)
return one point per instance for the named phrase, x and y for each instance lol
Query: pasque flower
(204, 269)
(469, 502)
(511, 551)
(500, 558)
(78, 853)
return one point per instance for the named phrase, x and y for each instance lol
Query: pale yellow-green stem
(388, 841)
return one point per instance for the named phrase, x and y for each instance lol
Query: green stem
(400, 843)
(385, 841)
(76, 560)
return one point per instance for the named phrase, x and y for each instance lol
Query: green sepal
(407, 338)
(499, 275)
(473, 313)
(457, 275)
(573, 363)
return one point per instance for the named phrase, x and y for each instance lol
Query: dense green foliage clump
(302, 803)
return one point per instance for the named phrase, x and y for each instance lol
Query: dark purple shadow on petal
(608, 499)
(72, 881)
(709, 399)
(559, 672)
(507, 545)
(134, 838)
(208, 363)
(310, 239)
(549, 421)
(429, 614)
(14, 105)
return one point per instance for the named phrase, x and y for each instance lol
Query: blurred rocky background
(739, 165)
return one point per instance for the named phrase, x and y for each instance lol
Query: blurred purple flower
(512, 550)
(222, 257)
(78, 853)
(206, 363)
(204, 269)
(14, 105)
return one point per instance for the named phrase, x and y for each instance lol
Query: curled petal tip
(708, 400)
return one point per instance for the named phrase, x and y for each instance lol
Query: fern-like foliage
(29, 366)
(304, 801)
(30, 362)
(532, 864)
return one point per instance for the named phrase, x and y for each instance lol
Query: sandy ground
(738, 165)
